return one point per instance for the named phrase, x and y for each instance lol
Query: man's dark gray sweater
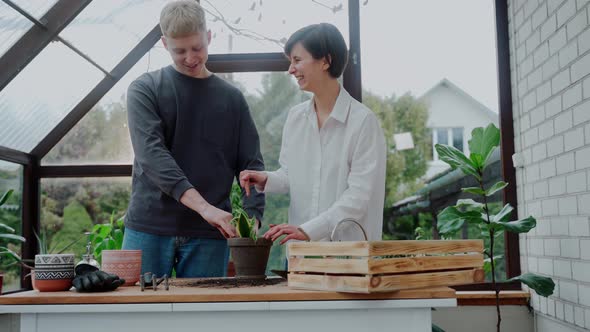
(187, 133)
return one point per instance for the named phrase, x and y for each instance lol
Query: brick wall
(550, 68)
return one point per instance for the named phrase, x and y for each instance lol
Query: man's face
(309, 72)
(189, 53)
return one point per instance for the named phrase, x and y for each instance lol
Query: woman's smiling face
(308, 71)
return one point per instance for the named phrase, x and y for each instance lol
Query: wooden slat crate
(384, 266)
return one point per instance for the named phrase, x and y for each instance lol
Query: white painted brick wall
(550, 59)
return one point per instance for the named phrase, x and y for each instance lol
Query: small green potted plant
(6, 235)
(248, 251)
(483, 142)
(108, 243)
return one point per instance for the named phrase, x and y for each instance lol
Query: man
(192, 133)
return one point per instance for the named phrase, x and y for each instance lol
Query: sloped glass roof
(263, 26)
(35, 7)
(118, 32)
(12, 26)
(42, 95)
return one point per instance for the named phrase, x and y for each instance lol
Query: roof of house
(461, 93)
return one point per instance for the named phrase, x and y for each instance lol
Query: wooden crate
(384, 266)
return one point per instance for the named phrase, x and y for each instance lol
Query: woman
(333, 151)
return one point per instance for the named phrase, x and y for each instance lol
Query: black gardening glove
(97, 281)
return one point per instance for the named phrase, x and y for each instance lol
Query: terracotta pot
(249, 257)
(124, 263)
(53, 272)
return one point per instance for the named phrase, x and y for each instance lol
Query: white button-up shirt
(334, 172)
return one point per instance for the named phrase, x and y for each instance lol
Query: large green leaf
(474, 190)
(469, 204)
(452, 219)
(503, 215)
(12, 237)
(518, 226)
(456, 159)
(484, 141)
(7, 228)
(495, 188)
(5, 197)
(544, 286)
(243, 225)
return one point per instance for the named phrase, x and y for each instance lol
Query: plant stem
(492, 262)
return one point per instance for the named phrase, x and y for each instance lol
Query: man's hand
(215, 217)
(292, 232)
(219, 219)
(249, 178)
(97, 281)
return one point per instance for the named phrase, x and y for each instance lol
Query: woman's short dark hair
(322, 40)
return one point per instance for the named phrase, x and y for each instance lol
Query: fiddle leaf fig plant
(483, 142)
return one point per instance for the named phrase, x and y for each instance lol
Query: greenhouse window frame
(33, 41)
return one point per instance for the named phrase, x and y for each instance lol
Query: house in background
(453, 114)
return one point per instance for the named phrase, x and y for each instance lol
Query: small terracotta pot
(249, 256)
(124, 263)
(53, 272)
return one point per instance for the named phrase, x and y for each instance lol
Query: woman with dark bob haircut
(333, 151)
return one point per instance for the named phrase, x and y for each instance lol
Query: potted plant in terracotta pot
(249, 252)
(7, 234)
(108, 243)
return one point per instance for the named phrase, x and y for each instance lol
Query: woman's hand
(248, 178)
(292, 232)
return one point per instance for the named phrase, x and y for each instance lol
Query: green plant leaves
(544, 286)
(451, 219)
(245, 226)
(12, 237)
(108, 236)
(456, 159)
(6, 196)
(474, 190)
(495, 188)
(482, 143)
(503, 215)
(518, 226)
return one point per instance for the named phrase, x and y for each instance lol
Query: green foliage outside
(9, 243)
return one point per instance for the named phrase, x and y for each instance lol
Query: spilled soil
(227, 282)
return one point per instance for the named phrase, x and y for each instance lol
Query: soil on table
(227, 282)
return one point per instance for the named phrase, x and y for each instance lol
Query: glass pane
(442, 135)
(120, 27)
(12, 26)
(42, 95)
(102, 136)
(35, 7)
(455, 81)
(11, 177)
(458, 138)
(70, 207)
(263, 26)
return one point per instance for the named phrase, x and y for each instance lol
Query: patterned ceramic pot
(53, 272)
(124, 263)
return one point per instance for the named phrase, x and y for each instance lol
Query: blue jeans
(190, 257)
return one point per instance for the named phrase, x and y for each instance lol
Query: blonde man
(192, 133)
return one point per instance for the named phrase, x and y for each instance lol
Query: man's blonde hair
(182, 18)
